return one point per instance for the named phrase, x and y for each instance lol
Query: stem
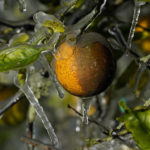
(40, 112)
(35, 103)
(52, 76)
(100, 11)
(13, 101)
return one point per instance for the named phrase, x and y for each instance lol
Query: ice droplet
(78, 123)
(85, 109)
(22, 5)
(39, 110)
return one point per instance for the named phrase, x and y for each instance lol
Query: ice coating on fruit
(85, 68)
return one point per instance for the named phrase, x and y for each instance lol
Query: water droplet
(22, 5)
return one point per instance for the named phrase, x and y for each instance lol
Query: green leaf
(19, 38)
(46, 20)
(126, 75)
(18, 56)
(91, 142)
(138, 123)
(54, 25)
(145, 59)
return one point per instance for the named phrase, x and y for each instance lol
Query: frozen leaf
(49, 21)
(137, 122)
(147, 103)
(145, 59)
(18, 38)
(18, 56)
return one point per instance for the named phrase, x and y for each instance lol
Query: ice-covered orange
(87, 67)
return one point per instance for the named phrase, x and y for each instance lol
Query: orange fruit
(86, 67)
(17, 113)
(144, 41)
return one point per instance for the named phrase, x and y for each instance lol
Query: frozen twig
(24, 87)
(13, 101)
(66, 6)
(99, 11)
(52, 76)
(36, 143)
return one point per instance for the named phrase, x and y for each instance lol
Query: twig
(98, 9)
(115, 31)
(36, 143)
(111, 134)
(13, 101)
(105, 130)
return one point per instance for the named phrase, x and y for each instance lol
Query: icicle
(39, 110)
(85, 109)
(137, 9)
(22, 5)
(58, 87)
(52, 76)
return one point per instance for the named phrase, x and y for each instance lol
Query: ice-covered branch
(38, 108)
(13, 101)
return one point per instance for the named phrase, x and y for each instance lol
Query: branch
(36, 143)
(16, 98)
